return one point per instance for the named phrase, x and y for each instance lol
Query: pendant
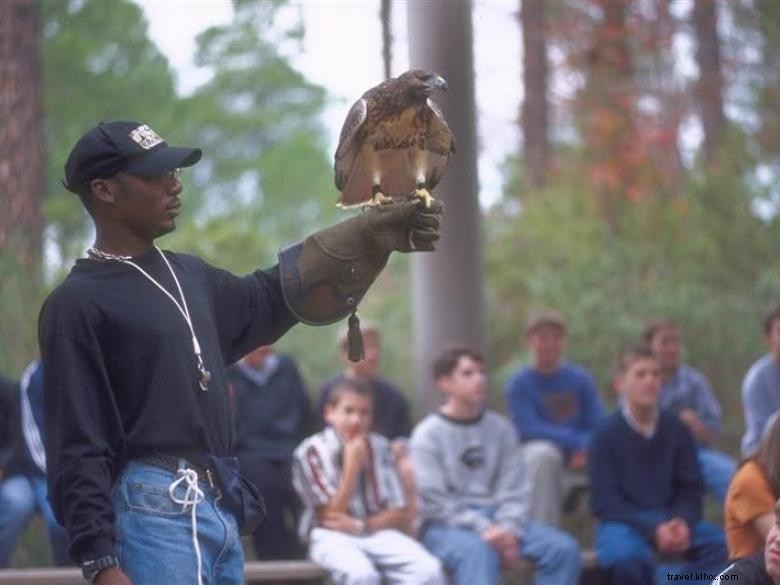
(204, 377)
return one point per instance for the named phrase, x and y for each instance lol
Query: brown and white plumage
(394, 143)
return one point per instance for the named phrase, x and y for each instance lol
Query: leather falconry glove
(326, 276)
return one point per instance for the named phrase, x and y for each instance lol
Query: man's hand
(404, 226)
(112, 576)
(355, 451)
(578, 460)
(698, 429)
(505, 543)
(341, 522)
(672, 536)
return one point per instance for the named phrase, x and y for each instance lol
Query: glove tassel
(354, 339)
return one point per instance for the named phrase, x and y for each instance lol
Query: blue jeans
(155, 534)
(632, 559)
(21, 496)
(472, 561)
(716, 470)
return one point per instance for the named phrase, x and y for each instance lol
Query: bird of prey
(394, 143)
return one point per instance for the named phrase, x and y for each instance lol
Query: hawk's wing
(440, 145)
(347, 148)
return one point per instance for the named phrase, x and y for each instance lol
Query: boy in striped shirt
(354, 502)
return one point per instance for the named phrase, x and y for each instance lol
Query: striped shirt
(317, 472)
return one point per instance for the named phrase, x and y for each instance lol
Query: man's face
(772, 550)
(547, 343)
(640, 383)
(666, 345)
(368, 367)
(351, 415)
(466, 384)
(146, 206)
(773, 339)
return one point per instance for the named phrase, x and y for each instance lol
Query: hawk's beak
(439, 83)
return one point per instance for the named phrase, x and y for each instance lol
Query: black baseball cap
(130, 147)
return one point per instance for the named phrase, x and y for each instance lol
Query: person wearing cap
(139, 440)
(555, 407)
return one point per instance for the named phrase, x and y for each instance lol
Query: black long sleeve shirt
(121, 378)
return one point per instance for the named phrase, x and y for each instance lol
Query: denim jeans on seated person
(472, 561)
(634, 561)
(21, 496)
(155, 533)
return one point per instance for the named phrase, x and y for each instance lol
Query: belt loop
(210, 477)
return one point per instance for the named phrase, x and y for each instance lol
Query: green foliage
(701, 258)
(99, 64)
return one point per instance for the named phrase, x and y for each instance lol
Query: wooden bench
(254, 571)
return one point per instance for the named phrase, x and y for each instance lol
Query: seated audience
(354, 503)
(392, 418)
(272, 415)
(474, 489)
(646, 487)
(686, 393)
(23, 488)
(391, 415)
(555, 407)
(762, 568)
(750, 503)
(761, 386)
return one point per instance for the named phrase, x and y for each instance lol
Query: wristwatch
(91, 568)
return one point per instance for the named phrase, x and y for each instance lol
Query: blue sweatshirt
(644, 481)
(563, 407)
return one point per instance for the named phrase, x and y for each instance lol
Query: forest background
(607, 213)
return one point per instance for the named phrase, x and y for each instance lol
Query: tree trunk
(447, 284)
(386, 16)
(709, 90)
(534, 115)
(21, 134)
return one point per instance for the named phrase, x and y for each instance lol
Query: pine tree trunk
(21, 134)
(534, 115)
(386, 16)
(447, 287)
(709, 90)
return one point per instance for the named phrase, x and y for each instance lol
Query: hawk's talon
(378, 199)
(425, 195)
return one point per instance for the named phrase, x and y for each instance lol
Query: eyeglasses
(163, 178)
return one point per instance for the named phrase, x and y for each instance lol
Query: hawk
(394, 143)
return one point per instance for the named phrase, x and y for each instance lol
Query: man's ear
(103, 190)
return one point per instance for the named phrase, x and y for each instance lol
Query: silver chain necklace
(204, 376)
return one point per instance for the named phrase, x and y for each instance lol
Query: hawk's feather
(394, 140)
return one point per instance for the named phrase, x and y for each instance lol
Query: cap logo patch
(145, 137)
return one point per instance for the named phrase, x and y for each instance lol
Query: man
(646, 488)
(762, 568)
(392, 418)
(139, 440)
(272, 416)
(686, 393)
(474, 487)
(23, 489)
(555, 407)
(761, 386)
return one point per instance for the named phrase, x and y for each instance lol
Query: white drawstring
(192, 497)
